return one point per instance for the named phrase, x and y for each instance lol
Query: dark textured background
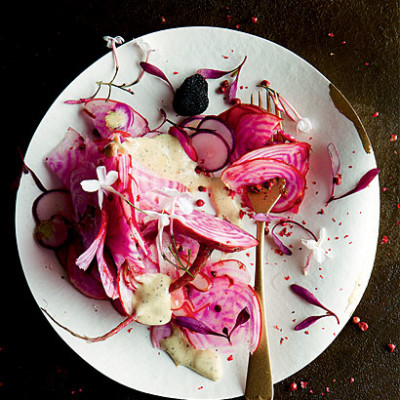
(45, 47)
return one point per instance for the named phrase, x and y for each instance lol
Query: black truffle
(191, 97)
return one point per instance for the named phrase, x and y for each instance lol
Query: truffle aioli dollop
(205, 362)
(152, 301)
(164, 156)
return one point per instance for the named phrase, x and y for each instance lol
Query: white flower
(162, 218)
(304, 125)
(143, 46)
(174, 199)
(317, 249)
(112, 41)
(101, 185)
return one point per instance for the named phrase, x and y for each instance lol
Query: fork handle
(259, 384)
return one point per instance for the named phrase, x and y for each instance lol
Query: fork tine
(260, 100)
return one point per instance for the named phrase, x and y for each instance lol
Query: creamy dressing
(164, 155)
(205, 362)
(152, 301)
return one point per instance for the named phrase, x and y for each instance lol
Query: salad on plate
(150, 218)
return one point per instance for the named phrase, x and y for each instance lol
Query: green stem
(112, 190)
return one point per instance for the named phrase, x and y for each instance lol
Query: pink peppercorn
(200, 203)
(356, 320)
(363, 326)
(293, 386)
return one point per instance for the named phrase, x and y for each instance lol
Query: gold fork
(259, 385)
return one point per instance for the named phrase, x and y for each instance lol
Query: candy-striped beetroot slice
(295, 154)
(259, 171)
(214, 232)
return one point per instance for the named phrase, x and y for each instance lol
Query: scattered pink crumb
(287, 278)
(303, 384)
(200, 387)
(384, 240)
(393, 138)
(391, 347)
(331, 34)
(356, 320)
(293, 386)
(254, 19)
(363, 326)
(230, 358)
(163, 20)
(352, 380)
(375, 114)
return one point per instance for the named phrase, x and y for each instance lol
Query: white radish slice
(53, 202)
(212, 150)
(52, 233)
(218, 126)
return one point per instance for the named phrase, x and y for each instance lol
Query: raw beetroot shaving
(253, 127)
(260, 170)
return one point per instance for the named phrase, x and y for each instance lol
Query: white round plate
(351, 223)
